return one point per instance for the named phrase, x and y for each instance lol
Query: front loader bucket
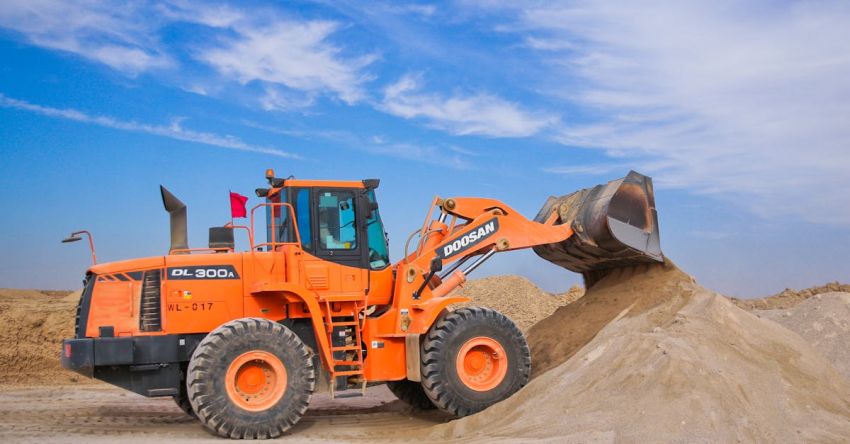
(615, 225)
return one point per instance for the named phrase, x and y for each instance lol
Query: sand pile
(648, 356)
(516, 297)
(636, 290)
(32, 326)
(788, 298)
(824, 321)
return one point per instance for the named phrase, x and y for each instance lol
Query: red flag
(237, 205)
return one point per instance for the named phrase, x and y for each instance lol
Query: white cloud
(293, 54)
(480, 114)
(204, 13)
(283, 99)
(429, 154)
(424, 10)
(548, 44)
(174, 131)
(463, 151)
(743, 100)
(107, 32)
(591, 170)
(292, 59)
(450, 156)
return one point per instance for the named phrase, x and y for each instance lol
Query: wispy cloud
(174, 130)
(747, 100)
(108, 32)
(450, 156)
(464, 151)
(590, 170)
(478, 114)
(291, 54)
(216, 15)
(292, 59)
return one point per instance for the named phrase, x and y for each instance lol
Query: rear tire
(250, 378)
(473, 358)
(412, 393)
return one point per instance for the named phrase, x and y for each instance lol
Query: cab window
(337, 224)
(379, 256)
(301, 198)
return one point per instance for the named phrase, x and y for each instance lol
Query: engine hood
(145, 263)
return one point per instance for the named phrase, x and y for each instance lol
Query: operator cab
(337, 221)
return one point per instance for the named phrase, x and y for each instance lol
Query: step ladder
(353, 352)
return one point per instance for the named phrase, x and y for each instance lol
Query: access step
(349, 373)
(351, 393)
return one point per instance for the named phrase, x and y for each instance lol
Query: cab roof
(324, 183)
(280, 184)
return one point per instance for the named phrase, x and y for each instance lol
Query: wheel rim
(482, 363)
(256, 380)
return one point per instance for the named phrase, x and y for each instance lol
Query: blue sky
(740, 113)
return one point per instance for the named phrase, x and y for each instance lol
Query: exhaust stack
(615, 225)
(177, 212)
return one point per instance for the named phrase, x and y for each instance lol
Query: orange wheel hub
(482, 363)
(255, 380)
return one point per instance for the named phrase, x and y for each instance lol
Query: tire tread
(211, 408)
(435, 351)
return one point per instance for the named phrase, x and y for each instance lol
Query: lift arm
(590, 231)
(478, 229)
(465, 232)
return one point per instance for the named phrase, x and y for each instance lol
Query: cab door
(336, 263)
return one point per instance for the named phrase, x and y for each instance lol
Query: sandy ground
(101, 413)
(32, 326)
(824, 321)
(646, 355)
(789, 298)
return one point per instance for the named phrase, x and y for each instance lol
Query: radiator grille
(150, 312)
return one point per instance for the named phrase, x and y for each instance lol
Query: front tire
(250, 378)
(473, 358)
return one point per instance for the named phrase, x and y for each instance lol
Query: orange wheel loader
(242, 339)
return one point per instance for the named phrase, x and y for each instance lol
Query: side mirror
(75, 236)
(436, 265)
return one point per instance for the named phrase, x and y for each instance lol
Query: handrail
(274, 242)
(424, 229)
(250, 230)
(247, 229)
